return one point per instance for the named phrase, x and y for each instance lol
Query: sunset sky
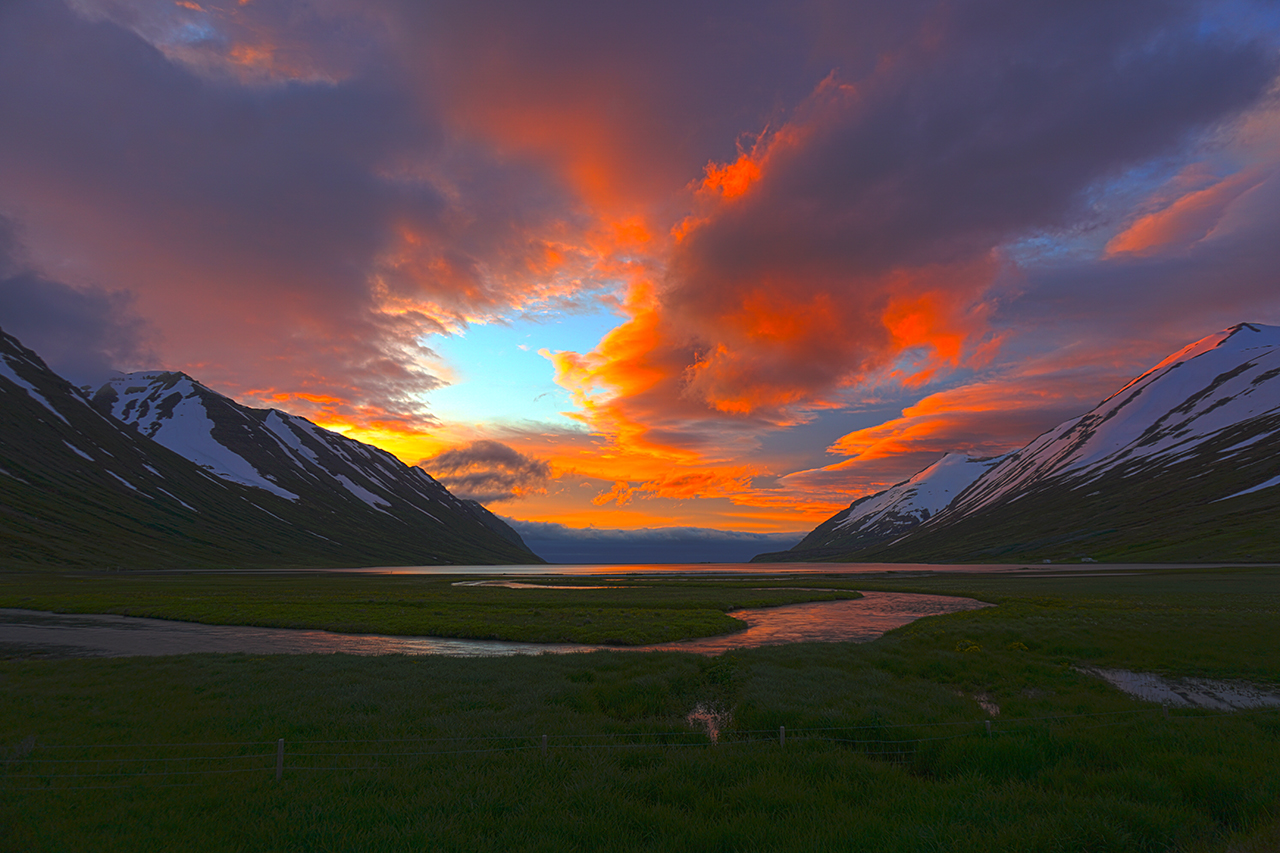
(642, 265)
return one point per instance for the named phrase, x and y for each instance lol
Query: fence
(31, 766)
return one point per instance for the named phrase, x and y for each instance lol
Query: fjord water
(773, 569)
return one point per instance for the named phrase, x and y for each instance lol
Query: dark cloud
(628, 101)
(296, 233)
(559, 544)
(1167, 299)
(898, 187)
(84, 334)
(488, 471)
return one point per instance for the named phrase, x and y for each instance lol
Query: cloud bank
(989, 210)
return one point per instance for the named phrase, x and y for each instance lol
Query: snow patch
(281, 426)
(77, 450)
(1274, 481)
(362, 493)
(14, 476)
(188, 430)
(178, 499)
(123, 480)
(922, 496)
(7, 371)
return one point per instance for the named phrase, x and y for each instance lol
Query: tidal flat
(972, 731)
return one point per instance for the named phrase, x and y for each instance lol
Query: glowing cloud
(793, 209)
(1186, 219)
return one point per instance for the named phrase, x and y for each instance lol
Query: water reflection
(856, 620)
(522, 585)
(79, 635)
(669, 570)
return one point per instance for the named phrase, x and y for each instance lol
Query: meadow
(886, 744)
(638, 613)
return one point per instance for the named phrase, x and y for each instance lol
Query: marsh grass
(1071, 764)
(413, 605)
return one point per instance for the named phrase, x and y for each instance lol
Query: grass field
(887, 747)
(410, 605)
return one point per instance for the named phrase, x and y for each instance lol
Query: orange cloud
(731, 179)
(621, 494)
(771, 303)
(689, 372)
(1184, 221)
(982, 418)
(252, 55)
(631, 231)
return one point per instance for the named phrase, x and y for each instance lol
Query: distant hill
(186, 477)
(1181, 464)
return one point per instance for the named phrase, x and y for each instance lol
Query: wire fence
(33, 766)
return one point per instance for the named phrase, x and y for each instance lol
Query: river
(34, 633)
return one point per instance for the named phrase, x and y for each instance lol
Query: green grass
(410, 605)
(1113, 780)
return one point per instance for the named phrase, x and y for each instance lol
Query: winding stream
(35, 633)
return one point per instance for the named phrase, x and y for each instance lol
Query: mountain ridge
(1186, 438)
(81, 488)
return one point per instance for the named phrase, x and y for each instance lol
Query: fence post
(1165, 709)
(782, 735)
(988, 728)
(544, 746)
(279, 759)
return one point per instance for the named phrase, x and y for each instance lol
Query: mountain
(193, 479)
(888, 515)
(1179, 464)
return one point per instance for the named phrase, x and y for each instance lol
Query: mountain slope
(890, 514)
(1183, 463)
(1226, 382)
(79, 488)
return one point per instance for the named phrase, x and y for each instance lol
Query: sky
(669, 268)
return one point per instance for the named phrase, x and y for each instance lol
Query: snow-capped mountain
(889, 514)
(1228, 381)
(1182, 463)
(286, 455)
(80, 487)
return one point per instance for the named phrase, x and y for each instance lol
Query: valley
(980, 729)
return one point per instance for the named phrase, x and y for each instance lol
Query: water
(34, 633)
(668, 570)
(1213, 694)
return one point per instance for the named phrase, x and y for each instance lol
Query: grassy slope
(1140, 782)
(411, 605)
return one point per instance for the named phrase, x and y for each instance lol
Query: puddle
(28, 633)
(1189, 692)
